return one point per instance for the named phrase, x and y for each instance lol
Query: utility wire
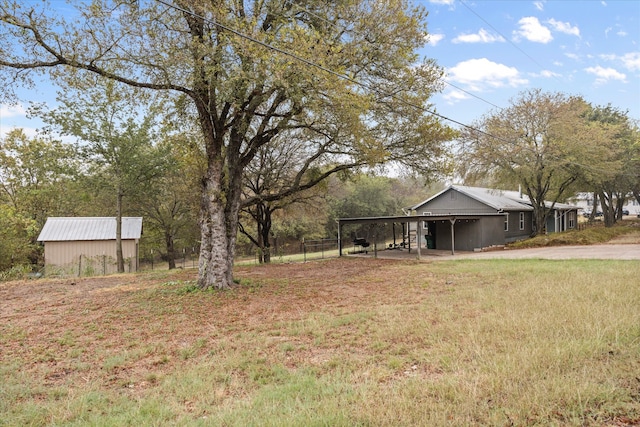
(505, 37)
(354, 81)
(327, 70)
(339, 28)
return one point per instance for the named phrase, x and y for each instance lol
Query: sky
(493, 50)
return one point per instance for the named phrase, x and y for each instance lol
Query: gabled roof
(89, 228)
(497, 199)
(500, 200)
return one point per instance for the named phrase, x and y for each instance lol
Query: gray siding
(515, 233)
(454, 202)
(470, 234)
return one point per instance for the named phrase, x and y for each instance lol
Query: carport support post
(375, 245)
(339, 240)
(452, 221)
(419, 233)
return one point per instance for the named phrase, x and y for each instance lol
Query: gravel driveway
(607, 251)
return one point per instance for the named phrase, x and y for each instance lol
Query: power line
(320, 67)
(358, 83)
(441, 79)
(505, 37)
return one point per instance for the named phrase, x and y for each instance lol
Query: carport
(418, 220)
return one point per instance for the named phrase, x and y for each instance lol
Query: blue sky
(493, 50)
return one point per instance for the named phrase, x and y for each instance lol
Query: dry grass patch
(624, 232)
(339, 342)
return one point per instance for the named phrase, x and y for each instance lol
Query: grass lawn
(340, 342)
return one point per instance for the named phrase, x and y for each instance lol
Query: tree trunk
(620, 200)
(594, 210)
(171, 250)
(608, 209)
(215, 263)
(263, 220)
(119, 257)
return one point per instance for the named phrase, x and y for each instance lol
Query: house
(87, 245)
(502, 217)
(584, 202)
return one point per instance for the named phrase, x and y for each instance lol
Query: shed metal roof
(501, 200)
(63, 229)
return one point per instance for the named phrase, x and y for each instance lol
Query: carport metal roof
(452, 218)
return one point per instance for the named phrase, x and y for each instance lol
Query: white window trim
(521, 220)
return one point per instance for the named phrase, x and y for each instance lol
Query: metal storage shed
(87, 245)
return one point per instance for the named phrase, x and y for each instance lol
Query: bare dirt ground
(43, 321)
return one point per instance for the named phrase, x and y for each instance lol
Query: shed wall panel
(99, 256)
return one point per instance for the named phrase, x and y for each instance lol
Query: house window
(506, 222)
(572, 219)
(425, 224)
(521, 220)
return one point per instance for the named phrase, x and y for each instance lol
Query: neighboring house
(584, 201)
(87, 245)
(502, 217)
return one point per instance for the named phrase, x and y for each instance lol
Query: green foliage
(365, 196)
(17, 272)
(17, 237)
(615, 173)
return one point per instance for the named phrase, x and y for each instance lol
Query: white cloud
(572, 56)
(18, 113)
(483, 36)
(547, 74)
(31, 132)
(631, 61)
(564, 27)
(441, 1)
(482, 74)
(455, 95)
(12, 111)
(539, 5)
(434, 39)
(532, 30)
(603, 75)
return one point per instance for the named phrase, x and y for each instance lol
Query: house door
(430, 234)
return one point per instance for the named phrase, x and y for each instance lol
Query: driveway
(607, 251)
(604, 251)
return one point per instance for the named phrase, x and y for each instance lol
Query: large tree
(541, 141)
(36, 175)
(616, 173)
(352, 83)
(37, 180)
